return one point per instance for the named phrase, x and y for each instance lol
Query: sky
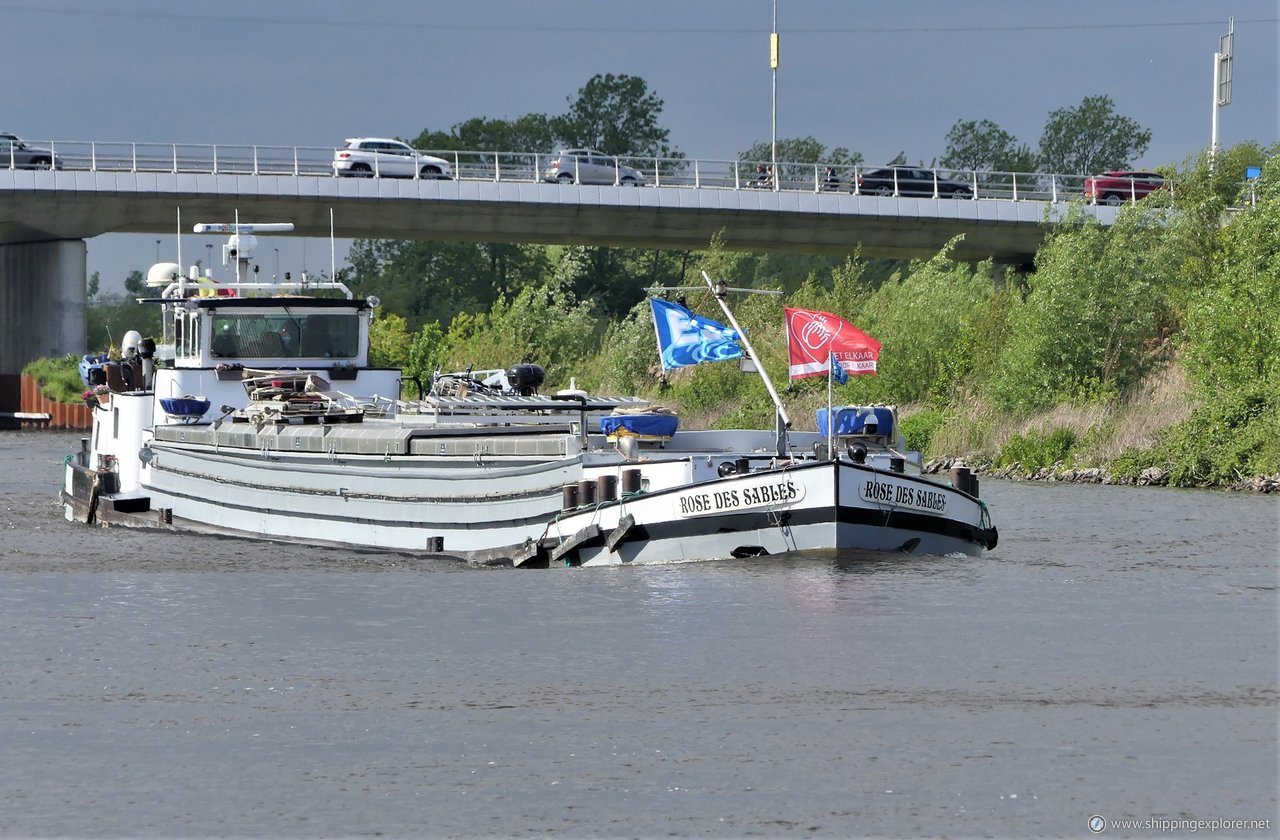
(878, 77)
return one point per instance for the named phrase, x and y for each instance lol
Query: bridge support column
(42, 301)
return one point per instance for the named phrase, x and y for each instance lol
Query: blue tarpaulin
(656, 425)
(853, 420)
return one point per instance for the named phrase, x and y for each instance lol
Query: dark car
(1118, 186)
(16, 154)
(906, 180)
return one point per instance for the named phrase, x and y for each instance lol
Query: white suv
(372, 157)
(587, 166)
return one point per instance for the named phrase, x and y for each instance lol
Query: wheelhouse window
(274, 336)
(186, 335)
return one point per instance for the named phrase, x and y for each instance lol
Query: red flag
(813, 338)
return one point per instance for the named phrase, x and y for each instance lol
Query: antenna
(333, 253)
(1222, 60)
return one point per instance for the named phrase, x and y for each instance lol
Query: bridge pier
(42, 301)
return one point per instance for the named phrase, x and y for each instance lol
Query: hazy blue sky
(877, 77)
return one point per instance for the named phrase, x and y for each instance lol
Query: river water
(1116, 655)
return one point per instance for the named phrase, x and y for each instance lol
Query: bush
(919, 428)
(1222, 442)
(1036, 450)
(59, 379)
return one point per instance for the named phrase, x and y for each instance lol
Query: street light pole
(276, 277)
(157, 250)
(773, 64)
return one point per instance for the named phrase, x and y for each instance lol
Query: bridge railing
(530, 167)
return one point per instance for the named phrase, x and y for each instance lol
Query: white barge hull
(816, 505)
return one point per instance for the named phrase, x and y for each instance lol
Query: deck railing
(529, 167)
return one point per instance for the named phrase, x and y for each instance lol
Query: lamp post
(276, 277)
(773, 64)
(208, 249)
(157, 250)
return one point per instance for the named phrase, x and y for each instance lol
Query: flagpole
(831, 421)
(784, 420)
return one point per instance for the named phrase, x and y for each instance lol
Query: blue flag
(838, 373)
(686, 339)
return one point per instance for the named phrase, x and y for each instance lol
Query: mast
(719, 290)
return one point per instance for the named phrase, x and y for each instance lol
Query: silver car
(587, 166)
(369, 157)
(16, 154)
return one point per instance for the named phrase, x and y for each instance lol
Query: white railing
(527, 167)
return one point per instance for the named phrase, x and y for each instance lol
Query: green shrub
(1130, 463)
(1036, 450)
(919, 428)
(1235, 436)
(59, 379)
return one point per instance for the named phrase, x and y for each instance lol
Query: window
(187, 335)
(262, 336)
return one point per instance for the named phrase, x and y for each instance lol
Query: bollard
(569, 497)
(586, 492)
(606, 488)
(630, 481)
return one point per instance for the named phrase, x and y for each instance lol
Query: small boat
(257, 414)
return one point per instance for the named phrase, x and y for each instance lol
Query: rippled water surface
(1116, 655)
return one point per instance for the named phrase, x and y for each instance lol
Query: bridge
(97, 188)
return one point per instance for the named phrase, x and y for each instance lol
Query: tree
(1095, 316)
(983, 145)
(432, 281)
(135, 284)
(529, 133)
(1091, 138)
(617, 115)
(91, 288)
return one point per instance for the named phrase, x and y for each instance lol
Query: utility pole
(773, 63)
(1221, 81)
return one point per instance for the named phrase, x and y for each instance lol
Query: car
(369, 157)
(1118, 186)
(587, 166)
(16, 154)
(907, 180)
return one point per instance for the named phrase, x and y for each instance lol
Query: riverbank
(1150, 477)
